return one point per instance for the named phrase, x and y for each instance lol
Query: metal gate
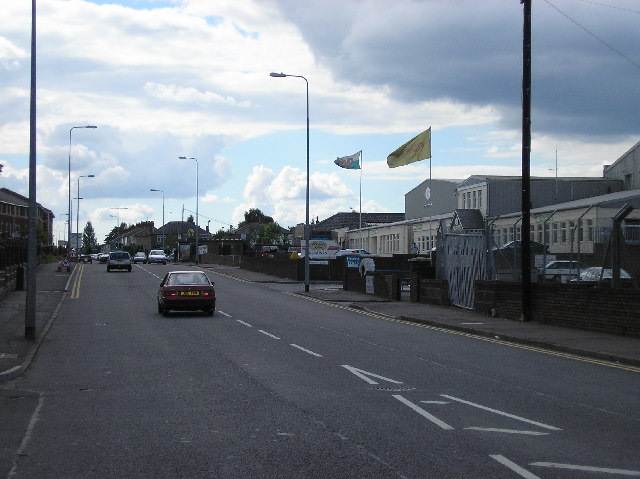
(464, 260)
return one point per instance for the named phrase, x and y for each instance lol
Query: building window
(474, 200)
(563, 232)
(554, 233)
(590, 231)
(479, 199)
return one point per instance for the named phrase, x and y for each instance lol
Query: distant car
(119, 260)
(592, 275)
(157, 256)
(94, 256)
(563, 271)
(536, 248)
(139, 257)
(186, 291)
(345, 252)
(103, 257)
(85, 258)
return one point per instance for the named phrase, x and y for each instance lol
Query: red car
(186, 291)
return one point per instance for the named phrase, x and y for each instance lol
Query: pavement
(52, 287)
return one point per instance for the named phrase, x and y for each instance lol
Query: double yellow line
(75, 289)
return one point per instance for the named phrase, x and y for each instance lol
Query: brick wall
(581, 306)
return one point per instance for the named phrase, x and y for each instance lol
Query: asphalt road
(279, 385)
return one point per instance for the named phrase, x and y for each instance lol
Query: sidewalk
(16, 352)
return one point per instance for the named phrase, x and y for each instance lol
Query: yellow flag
(416, 149)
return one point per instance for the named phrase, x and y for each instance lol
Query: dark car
(85, 258)
(119, 260)
(103, 257)
(186, 291)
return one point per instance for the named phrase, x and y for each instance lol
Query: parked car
(563, 271)
(592, 275)
(536, 248)
(157, 256)
(119, 260)
(139, 257)
(94, 256)
(186, 291)
(345, 252)
(103, 257)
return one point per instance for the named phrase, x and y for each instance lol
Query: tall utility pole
(526, 158)
(32, 246)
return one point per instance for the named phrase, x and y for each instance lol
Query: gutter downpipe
(544, 242)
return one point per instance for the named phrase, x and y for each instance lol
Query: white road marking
(422, 412)
(436, 402)
(513, 466)
(246, 324)
(508, 431)
(605, 470)
(471, 323)
(224, 314)
(268, 334)
(501, 413)
(306, 350)
(35, 417)
(363, 375)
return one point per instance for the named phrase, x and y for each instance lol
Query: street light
(197, 228)
(78, 207)
(69, 181)
(163, 235)
(306, 224)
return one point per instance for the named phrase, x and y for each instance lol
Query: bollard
(20, 278)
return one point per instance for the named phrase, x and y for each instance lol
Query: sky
(168, 78)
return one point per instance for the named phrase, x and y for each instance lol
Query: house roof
(8, 196)
(351, 220)
(178, 227)
(469, 219)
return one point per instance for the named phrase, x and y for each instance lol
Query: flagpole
(361, 165)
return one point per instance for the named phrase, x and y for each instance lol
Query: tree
(254, 215)
(269, 234)
(115, 232)
(89, 242)
(190, 219)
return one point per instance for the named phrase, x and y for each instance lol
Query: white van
(563, 270)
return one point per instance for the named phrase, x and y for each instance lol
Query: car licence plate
(189, 293)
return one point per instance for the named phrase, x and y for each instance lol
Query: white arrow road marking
(268, 334)
(422, 412)
(306, 350)
(622, 472)
(508, 431)
(513, 466)
(479, 406)
(363, 375)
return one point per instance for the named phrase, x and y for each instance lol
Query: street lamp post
(78, 207)
(163, 232)
(69, 181)
(197, 228)
(118, 217)
(307, 230)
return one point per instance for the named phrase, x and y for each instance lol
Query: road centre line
(535, 349)
(246, 324)
(225, 314)
(422, 412)
(268, 334)
(501, 413)
(306, 350)
(513, 466)
(605, 470)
